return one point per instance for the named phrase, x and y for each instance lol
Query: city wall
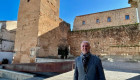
(117, 40)
(52, 40)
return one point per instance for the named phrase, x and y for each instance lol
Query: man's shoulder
(78, 58)
(95, 57)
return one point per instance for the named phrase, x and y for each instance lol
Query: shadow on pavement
(122, 70)
(134, 78)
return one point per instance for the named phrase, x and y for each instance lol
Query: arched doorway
(63, 52)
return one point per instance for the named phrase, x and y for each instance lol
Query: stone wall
(52, 40)
(27, 30)
(49, 16)
(117, 18)
(111, 40)
(38, 26)
(7, 35)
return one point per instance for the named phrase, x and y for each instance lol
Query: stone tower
(35, 18)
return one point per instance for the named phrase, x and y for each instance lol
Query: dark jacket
(94, 69)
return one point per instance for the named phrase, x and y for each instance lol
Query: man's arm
(100, 70)
(75, 72)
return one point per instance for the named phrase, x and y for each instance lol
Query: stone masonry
(52, 40)
(41, 33)
(117, 17)
(7, 35)
(36, 21)
(117, 40)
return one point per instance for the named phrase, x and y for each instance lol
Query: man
(88, 66)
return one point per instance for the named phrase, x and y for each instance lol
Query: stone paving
(110, 75)
(118, 70)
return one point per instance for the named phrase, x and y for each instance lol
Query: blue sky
(69, 9)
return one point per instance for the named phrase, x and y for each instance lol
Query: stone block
(14, 75)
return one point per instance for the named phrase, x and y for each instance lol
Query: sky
(69, 9)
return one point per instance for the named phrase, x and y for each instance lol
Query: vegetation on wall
(125, 45)
(107, 28)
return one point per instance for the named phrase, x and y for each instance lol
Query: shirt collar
(87, 54)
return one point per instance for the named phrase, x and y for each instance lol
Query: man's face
(85, 48)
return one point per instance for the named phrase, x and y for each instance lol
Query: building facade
(7, 35)
(7, 39)
(106, 19)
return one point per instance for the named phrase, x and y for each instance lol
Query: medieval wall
(36, 18)
(117, 17)
(52, 40)
(115, 40)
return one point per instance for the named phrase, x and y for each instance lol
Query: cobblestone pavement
(110, 75)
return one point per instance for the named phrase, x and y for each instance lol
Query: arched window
(109, 19)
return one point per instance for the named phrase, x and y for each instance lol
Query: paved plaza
(110, 75)
(118, 70)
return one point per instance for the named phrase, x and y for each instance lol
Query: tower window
(83, 23)
(28, 0)
(127, 17)
(109, 19)
(97, 21)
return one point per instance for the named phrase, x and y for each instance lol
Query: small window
(127, 17)
(83, 23)
(28, 0)
(109, 19)
(97, 21)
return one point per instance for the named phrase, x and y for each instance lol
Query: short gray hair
(86, 42)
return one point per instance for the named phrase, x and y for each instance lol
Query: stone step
(39, 60)
(12, 75)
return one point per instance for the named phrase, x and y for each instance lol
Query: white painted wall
(8, 55)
